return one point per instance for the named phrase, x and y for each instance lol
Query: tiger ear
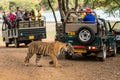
(67, 44)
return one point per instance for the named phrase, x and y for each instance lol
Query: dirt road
(80, 68)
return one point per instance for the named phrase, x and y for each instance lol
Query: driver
(89, 18)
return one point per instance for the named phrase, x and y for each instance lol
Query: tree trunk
(53, 12)
(67, 5)
(60, 4)
(76, 4)
(63, 6)
(93, 6)
(86, 3)
(60, 7)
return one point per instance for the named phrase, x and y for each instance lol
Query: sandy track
(80, 68)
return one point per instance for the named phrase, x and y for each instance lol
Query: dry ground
(80, 68)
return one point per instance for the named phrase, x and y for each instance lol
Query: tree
(53, 12)
(64, 6)
(112, 6)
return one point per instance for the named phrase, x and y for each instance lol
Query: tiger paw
(26, 64)
(39, 66)
(58, 65)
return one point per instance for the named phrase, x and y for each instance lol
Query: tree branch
(76, 4)
(117, 2)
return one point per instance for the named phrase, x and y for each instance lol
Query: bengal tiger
(52, 48)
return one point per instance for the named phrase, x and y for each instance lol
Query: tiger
(52, 48)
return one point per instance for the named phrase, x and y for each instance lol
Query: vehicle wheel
(103, 53)
(115, 50)
(68, 56)
(85, 35)
(16, 43)
(6, 44)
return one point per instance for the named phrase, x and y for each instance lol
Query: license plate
(71, 33)
(31, 37)
(80, 50)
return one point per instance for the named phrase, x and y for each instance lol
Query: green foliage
(112, 7)
(25, 4)
(45, 3)
(108, 5)
(12, 4)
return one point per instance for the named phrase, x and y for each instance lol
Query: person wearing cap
(89, 18)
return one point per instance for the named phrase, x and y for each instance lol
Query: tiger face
(69, 48)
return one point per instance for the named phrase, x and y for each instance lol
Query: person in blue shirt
(89, 18)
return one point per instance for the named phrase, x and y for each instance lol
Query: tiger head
(69, 49)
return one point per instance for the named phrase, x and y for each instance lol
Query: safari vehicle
(25, 32)
(116, 31)
(87, 38)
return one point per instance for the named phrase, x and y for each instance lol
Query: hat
(88, 10)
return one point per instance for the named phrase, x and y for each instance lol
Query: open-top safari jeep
(24, 32)
(87, 38)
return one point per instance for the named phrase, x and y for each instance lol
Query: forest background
(109, 6)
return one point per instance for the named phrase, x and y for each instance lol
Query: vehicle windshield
(116, 26)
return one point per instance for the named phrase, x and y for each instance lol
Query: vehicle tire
(103, 53)
(16, 43)
(6, 44)
(85, 35)
(114, 53)
(68, 56)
